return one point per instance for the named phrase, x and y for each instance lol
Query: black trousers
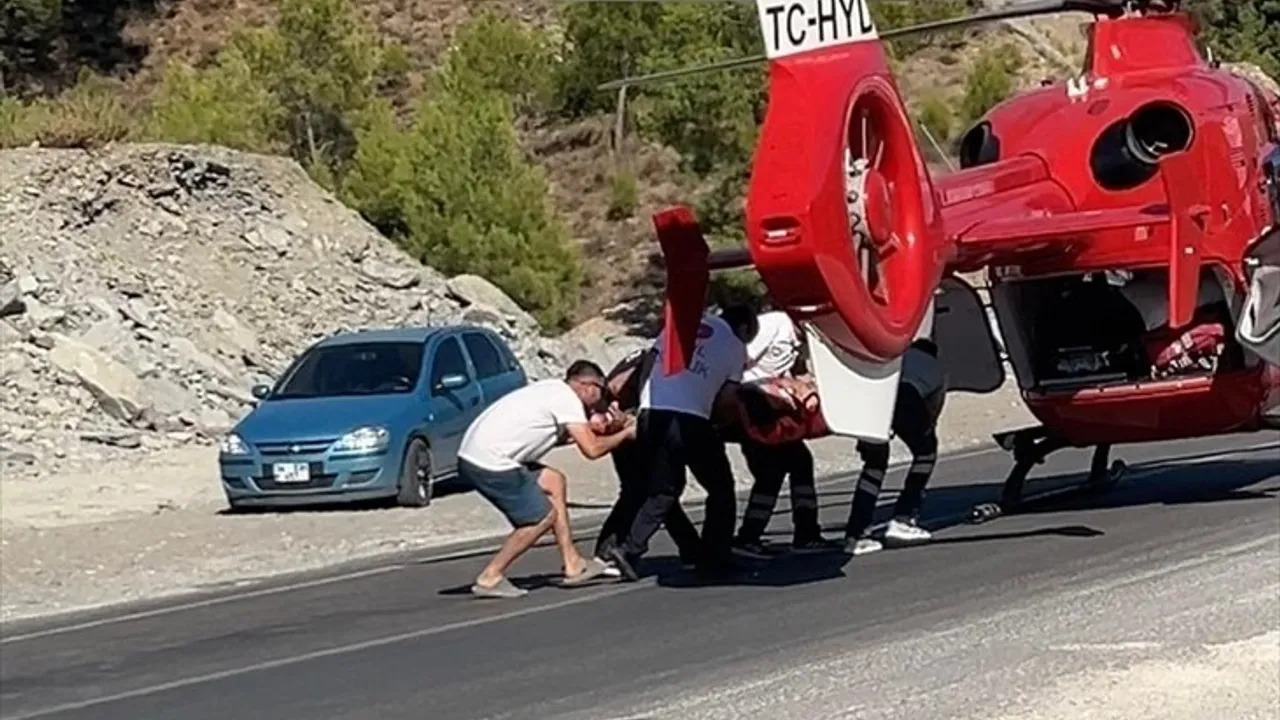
(770, 465)
(915, 422)
(633, 490)
(676, 442)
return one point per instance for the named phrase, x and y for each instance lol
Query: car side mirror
(453, 381)
(261, 391)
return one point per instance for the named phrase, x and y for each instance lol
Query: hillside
(576, 153)
(145, 289)
(686, 142)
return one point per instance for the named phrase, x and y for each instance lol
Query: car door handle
(475, 402)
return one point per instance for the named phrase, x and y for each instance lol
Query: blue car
(366, 415)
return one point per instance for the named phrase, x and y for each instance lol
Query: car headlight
(232, 445)
(365, 439)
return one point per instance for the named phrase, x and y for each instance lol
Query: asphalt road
(1189, 542)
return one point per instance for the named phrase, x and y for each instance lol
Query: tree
(455, 188)
(1243, 30)
(299, 87)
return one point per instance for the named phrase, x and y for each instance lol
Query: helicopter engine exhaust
(1127, 154)
(1158, 129)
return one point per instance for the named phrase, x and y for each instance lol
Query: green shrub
(624, 195)
(937, 118)
(90, 114)
(1243, 31)
(228, 104)
(494, 53)
(602, 42)
(990, 82)
(457, 192)
(298, 87)
(893, 14)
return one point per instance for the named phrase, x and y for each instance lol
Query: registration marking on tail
(797, 26)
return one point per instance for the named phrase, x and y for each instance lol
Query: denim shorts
(514, 492)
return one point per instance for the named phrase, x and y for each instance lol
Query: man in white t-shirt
(500, 455)
(922, 391)
(775, 352)
(675, 434)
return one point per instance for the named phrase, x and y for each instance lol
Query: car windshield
(374, 368)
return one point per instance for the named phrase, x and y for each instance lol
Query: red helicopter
(1128, 221)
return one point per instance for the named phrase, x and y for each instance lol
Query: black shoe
(816, 545)
(689, 559)
(624, 564)
(754, 549)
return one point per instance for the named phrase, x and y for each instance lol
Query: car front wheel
(415, 476)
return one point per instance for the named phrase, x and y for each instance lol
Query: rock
(234, 394)
(27, 284)
(13, 364)
(102, 306)
(105, 335)
(49, 406)
(117, 390)
(11, 302)
(137, 311)
(18, 458)
(117, 438)
(10, 335)
(399, 278)
(187, 352)
(213, 423)
(270, 237)
(44, 317)
(475, 290)
(168, 397)
(234, 332)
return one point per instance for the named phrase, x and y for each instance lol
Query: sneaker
(753, 549)
(624, 565)
(816, 545)
(904, 531)
(862, 546)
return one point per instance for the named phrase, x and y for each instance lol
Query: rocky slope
(144, 289)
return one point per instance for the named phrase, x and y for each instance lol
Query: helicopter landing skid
(1030, 447)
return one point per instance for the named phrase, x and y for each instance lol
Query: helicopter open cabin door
(968, 351)
(1259, 327)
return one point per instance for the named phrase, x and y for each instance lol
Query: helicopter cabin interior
(1106, 328)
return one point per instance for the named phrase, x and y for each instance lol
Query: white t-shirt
(923, 372)
(522, 425)
(719, 357)
(774, 350)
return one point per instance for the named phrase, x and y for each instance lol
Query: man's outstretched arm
(595, 446)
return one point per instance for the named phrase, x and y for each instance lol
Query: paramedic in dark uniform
(624, 382)
(775, 352)
(921, 393)
(675, 434)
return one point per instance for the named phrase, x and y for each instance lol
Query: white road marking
(329, 652)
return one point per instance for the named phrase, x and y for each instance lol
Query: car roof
(419, 334)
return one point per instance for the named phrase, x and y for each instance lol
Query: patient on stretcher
(772, 411)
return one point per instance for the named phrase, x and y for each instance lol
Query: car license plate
(291, 472)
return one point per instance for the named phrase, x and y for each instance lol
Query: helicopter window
(980, 146)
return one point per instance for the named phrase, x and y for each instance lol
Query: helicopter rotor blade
(1020, 10)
